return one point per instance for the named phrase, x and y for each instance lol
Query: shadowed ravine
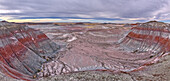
(28, 54)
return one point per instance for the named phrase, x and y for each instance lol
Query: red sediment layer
(161, 40)
(151, 29)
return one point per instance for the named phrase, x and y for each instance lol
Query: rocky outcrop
(151, 36)
(23, 50)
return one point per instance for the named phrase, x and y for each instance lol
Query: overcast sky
(85, 10)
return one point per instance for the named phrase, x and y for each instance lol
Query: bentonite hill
(85, 52)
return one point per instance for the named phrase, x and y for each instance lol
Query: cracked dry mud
(94, 55)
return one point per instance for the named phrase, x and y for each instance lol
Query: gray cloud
(86, 8)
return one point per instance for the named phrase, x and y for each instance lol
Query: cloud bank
(109, 10)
